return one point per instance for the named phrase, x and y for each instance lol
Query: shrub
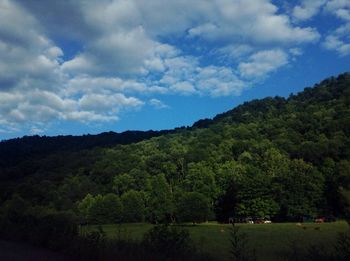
(170, 241)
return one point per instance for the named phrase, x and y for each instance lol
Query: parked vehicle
(259, 221)
(320, 220)
(249, 220)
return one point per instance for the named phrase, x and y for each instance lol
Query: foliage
(123, 183)
(173, 242)
(39, 226)
(85, 205)
(133, 206)
(106, 210)
(193, 207)
(345, 193)
(160, 201)
(226, 204)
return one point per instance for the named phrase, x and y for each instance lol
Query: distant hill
(14, 150)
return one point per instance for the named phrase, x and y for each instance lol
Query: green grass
(271, 241)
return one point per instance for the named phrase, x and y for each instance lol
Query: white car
(267, 222)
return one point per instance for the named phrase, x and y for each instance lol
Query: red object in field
(320, 220)
(259, 221)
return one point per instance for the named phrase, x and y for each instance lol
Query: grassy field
(271, 241)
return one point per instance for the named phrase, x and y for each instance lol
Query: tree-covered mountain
(285, 158)
(14, 150)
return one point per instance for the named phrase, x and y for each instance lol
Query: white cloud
(158, 104)
(335, 5)
(40, 107)
(295, 51)
(333, 42)
(87, 84)
(339, 40)
(183, 87)
(185, 76)
(122, 53)
(219, 81)
(119, 52)
(36, 130)
(234, 51)
(254, 21)
(110, 103)
(307, 9)
(262, 63)
(340, 8)
(88, 117)
(203, 29)
(128, 31)
(27, 57)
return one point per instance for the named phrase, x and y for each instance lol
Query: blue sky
(78, 67)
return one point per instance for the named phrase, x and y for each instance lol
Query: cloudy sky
(75, 66)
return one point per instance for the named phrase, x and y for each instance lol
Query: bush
(170, 241)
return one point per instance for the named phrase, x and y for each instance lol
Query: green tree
(274, 162)
(123, 183)
(301, 190)
(193, 207)
(84, 206)
(160, 200)
(133, 206)
(15, 208)
(106, 209)
(226, 203)
(201, 178)
(258, 207)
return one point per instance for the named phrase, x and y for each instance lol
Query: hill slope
(277, 157)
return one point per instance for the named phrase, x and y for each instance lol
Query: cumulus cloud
(25, 52)
(183, 87)
(36, 130)
(40, 107)
(124, 35)
(262, 63)
(158, 104)
(340, 8)
(185, 76)
(103, 103)
(125, 51)
(307, 9)
(339, 40)
(254, 21)
(88, 84)
(333, 42)
(88, 117)
(233, 51)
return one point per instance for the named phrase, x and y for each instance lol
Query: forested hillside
(283, 158)
(16, 150)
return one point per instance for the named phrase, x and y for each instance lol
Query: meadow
(270, 241)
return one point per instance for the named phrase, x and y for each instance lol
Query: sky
(72, 67)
